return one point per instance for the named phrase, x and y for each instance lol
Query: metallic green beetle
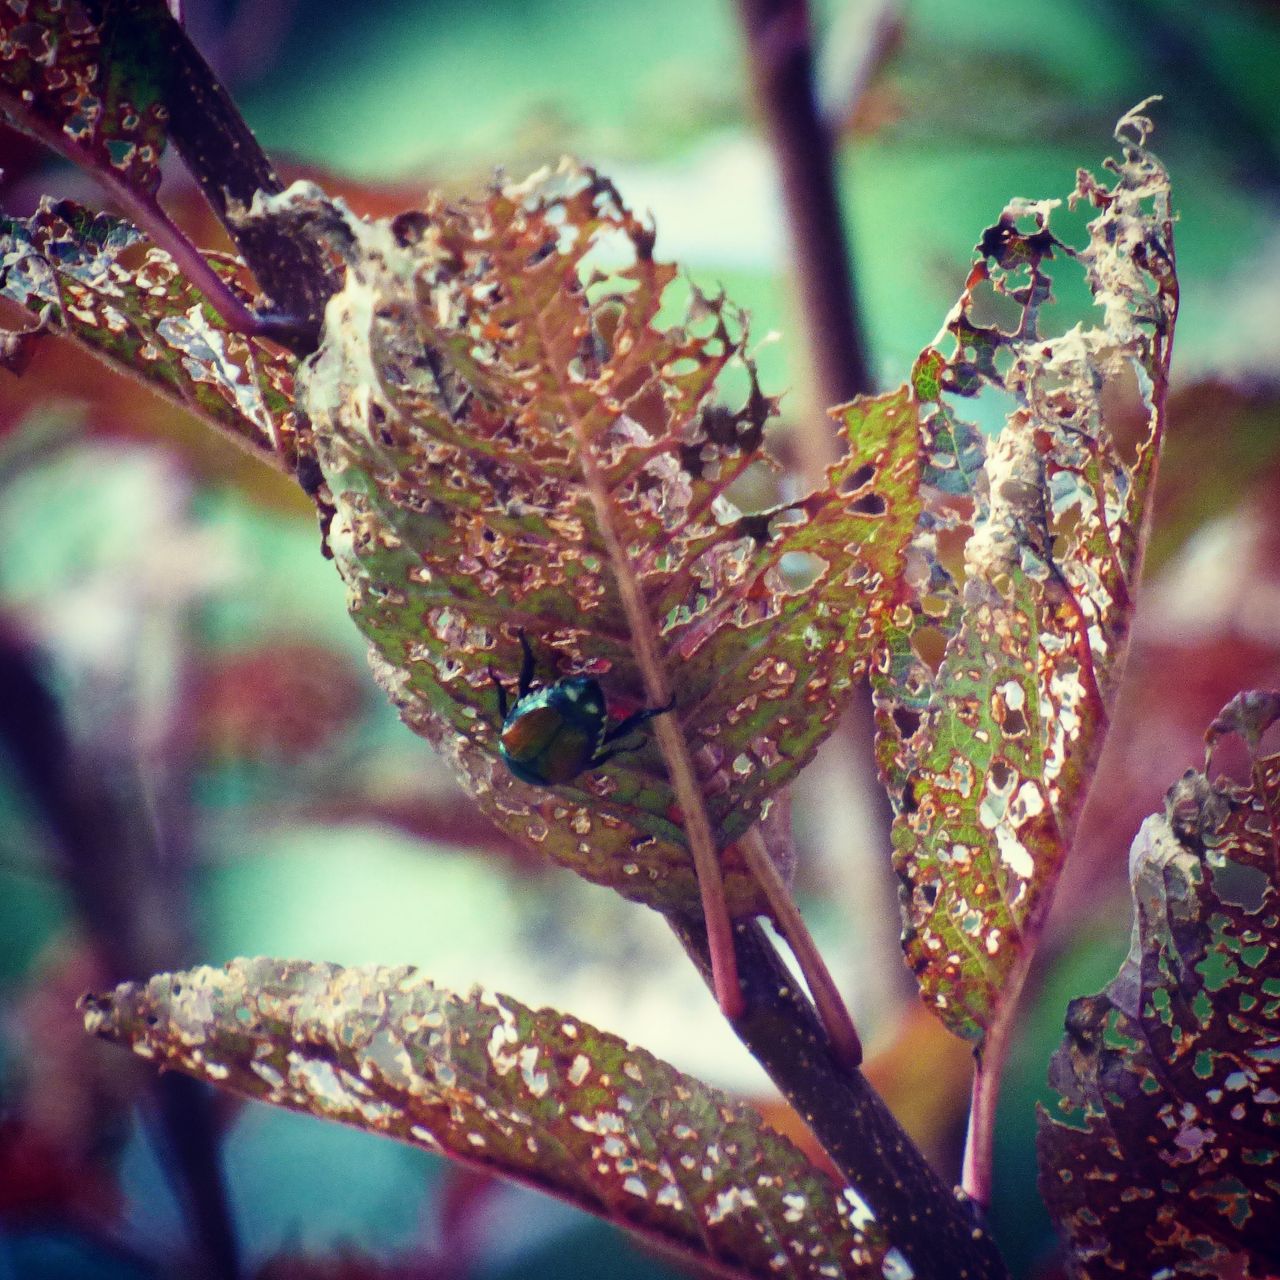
(555, 732)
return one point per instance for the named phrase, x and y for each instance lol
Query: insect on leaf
(100, 281)
(533, 1095)
(1000, 665)
(1166, 1160)
(520, 432)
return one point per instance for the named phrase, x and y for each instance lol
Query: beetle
(556, 731)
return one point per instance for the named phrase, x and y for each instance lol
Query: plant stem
(780, 51)
(786, 915)
(938, 1231)
(988, 1071)
(131, 899)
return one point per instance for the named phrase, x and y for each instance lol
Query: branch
(938, 1231)
(125, 894)
(780, 51)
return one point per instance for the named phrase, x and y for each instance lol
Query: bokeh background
(197, 765)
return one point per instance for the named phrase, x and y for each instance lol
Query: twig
(786, 915)
(938, 1231)
(780, 49)
(988, 1071)
(126, 895)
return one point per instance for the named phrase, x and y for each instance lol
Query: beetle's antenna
(502, 695)
(527, 666)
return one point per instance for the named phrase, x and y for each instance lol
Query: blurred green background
(174, 605)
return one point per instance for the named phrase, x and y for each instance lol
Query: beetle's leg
(526, 667)
(634, 721)
(502, 696)
(603, 757)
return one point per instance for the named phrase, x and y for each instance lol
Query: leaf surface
(1166, 1160)
(1000, 663)
(520, 431)
(90, 88)
(533, 1095)
(100, 280)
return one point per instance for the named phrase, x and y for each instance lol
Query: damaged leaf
(533, 1095)
(100, 281)
(1001, 660)
(89, 87)
(520, 432)
(1167, 1159)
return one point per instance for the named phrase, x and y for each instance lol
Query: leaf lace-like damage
(1003, 653)
(496, 373)
(88, 88)
(100, 281)
(1166, 1161)
(533, 1095)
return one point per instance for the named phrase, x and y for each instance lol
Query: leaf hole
(1240, 885)
(1124, 412)
(909, 802)
(906, 721)
(929, 645)
(541, 253)
(870, 504)
(409, 227)
(861, 477)
(950, 550)
(803, 569)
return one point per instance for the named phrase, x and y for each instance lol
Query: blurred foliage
(143, 558)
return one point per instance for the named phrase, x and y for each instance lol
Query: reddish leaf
(1169, 1159)
(89, 88)
(97, 279)
(514, 438)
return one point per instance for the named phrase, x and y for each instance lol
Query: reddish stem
(786, 915)
(989, 1060)
(780, 49)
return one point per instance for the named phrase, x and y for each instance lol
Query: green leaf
(533, 1095)
(100, 281)
(1167, 1160)
(1000, 664)
(519, 431)
(88, 87)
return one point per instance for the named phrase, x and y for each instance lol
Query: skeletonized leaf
(1167, 1162)
(516, 436)
(1000, 668)
(534, 1095)
(91, 88)
(99, 280)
